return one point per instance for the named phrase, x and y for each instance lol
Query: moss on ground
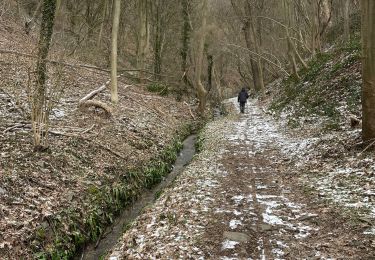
(330, 81)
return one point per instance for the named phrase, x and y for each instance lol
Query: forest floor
(260, 191)
(54, 201)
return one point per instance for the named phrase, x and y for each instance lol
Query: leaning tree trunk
(39, 112)
(116, 21)
(368, 66)
(201, 91)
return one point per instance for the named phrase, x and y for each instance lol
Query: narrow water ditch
(111, 236)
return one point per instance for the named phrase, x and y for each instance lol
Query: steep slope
(328, 91)
(324, 107)
(54, 202)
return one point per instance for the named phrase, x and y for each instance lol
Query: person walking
(242, 99)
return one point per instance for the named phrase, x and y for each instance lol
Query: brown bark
(259, 64)
(100, 35)
(346, 20)
(201, 91)
(98, 104)
(143, 34)
(251, 43)
(185, 45)
(29, 24)
(315, 35)
(292, 50)
(116, 21)
(40, 110)
(368, 66)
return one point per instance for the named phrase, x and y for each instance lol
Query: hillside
(329, 91)
(291, 176)
(324, 108)
(54, 202)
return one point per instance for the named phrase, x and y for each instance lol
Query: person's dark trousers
(242, 107)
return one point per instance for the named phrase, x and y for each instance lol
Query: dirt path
(262, 210)
(238, 200)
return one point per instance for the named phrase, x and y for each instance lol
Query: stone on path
(236, 236)
(266, 227)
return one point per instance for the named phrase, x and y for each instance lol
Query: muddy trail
(265, 212)
(241, 199)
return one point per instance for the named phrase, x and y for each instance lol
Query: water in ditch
(111, 236)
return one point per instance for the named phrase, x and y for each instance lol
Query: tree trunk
(144, 34)
(315, 32)
(115, 26)
(210, 62)
(292, 50)
(158, 41)
(259, 65)
(254, 59)
(291, 56)
(346, 20)
(185, 50)
(29, 24)
(368, 65)
(39, 99)
(46, 31)
(100, 35)
(250, 32)
(201, 91)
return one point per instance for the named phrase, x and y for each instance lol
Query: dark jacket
(243, 96)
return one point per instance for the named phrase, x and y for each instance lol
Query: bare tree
(293, 54)
(40, 111)
(368, 89)
(116, 21)
(252, 39)
(143, 33)
(201, 39)
(346, 20)
(102, 22)
(186, 34)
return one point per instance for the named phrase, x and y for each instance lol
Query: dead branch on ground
(93, 94)
(97, 104)
(191, 112)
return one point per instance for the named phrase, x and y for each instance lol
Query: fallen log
(93, 93)
(97, 104)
